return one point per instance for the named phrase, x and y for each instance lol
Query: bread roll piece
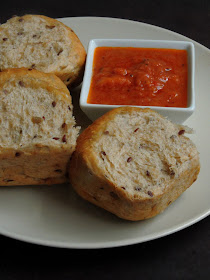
(133, 162)
(37, 134)
(42, 43)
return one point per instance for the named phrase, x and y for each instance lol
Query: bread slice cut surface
(42, 43)
(38, 133)
(134, 162)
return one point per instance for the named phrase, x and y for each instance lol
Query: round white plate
(56, 216)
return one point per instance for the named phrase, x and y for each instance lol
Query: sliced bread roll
(42, 43)
(38, 133)
(133, 162)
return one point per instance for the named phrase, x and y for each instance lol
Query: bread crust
(37, 79)
(91, 183)
(71, 75)
(35, 163)
(37, 166)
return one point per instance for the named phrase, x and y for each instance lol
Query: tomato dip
(139, 76)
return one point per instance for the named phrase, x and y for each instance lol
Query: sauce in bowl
(139, 76)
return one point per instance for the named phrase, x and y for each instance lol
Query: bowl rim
(164, 44)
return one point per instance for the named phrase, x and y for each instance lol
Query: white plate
(56, 216)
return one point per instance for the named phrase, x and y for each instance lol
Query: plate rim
(135, 21)
(104, 245)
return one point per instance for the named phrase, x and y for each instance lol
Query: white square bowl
(176, 114)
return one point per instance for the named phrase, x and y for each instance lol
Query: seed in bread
(133, 162)
(42, 43)
(38, 133)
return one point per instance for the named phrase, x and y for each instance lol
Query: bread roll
(133, 162)
(38, 133)
(42, 43)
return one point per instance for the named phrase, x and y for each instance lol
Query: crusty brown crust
(77, 56)
(35, 164)
(90, 183)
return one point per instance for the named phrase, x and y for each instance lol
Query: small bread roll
(42, 43)
(38, 133)
(133, 162)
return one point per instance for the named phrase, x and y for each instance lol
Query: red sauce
(139, 76)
